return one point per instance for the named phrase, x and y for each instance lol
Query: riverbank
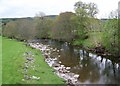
(95, 43)
(51, 57)
(24, 65)
(76, 64)
(0, 60)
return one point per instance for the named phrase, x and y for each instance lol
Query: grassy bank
(94, 39)
(13, 60)
(0, 60)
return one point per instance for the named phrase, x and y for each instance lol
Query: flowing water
(93, 69)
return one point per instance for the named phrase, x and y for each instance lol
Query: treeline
(79, 28)
(66, 26)
(110, 38)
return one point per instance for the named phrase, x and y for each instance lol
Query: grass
(13, 61)
(0, 60)
(94, 39)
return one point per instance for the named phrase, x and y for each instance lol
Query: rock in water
(76, 76)
(55, 65)
(67, 68)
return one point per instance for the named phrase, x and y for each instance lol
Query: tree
(119, 9)
(25, 29)
(63, 28)
(119, 25)
(43, 25)
(92, 9)
(85, 10)
(113, 14)
(85, 14)
(10, 29)
(111, 35)
(0, 27)
(22, 29)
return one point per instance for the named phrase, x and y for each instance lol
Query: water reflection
(86, 68)
(91, 68)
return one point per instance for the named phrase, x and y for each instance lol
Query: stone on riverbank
(52, 55)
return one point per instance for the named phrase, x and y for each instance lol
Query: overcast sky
(28, 8)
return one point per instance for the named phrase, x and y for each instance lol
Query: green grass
(13, 62)
(94, 39)
(0, 60)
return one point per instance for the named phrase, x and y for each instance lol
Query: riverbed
(85, 67)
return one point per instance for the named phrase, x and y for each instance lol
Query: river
(92, 69)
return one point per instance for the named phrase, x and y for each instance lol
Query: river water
(92, 69)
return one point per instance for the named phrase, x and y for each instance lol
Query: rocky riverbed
(51, 57)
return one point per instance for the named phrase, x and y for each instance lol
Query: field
(0, 60)
(13, 61)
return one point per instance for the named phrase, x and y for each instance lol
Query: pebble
(37, 43)
(67, 68)
(76, 76)
(29, 59)
(58, 55)
(34, 77)
(62, 65)
(60, 62)
(55, 59)
(26, 77)
(55, 65)
(61, 49)
(57, 50)
(85, 65)
(51, 48)
(63, 75)
(54, 50)
(23, 79)
(25, 69)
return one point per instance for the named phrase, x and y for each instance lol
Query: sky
(29, 8)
